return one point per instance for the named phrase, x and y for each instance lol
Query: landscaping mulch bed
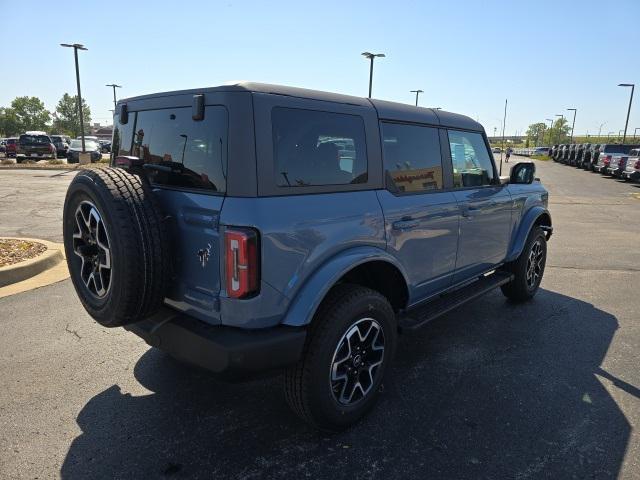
(14, 251)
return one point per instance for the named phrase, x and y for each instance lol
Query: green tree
(535, 133)
(30, 114)
(559, 132)
(66, 117)
(9, 124)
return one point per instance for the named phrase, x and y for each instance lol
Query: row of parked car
(36, 144)
(618, 160)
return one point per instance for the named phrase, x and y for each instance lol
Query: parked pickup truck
(632, 166)
(255, 227)
(35, 144)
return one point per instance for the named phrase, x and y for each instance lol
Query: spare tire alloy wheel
(91, 244)
(356, 361)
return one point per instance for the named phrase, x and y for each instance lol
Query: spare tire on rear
(116, 245)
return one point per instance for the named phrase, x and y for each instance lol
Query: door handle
(470, 211)
(405, 224)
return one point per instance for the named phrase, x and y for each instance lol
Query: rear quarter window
(312, 148)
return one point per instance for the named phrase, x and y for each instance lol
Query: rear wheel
(528, 268)
(349, 348)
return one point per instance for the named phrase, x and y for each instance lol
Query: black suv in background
(61, 142)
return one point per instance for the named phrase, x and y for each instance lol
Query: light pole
(609, 135)
(626, 124)
(114, 92)
(634, 131)
(600, 129)
(504, 124)
(574, 110)
(550, 120)
(560, 128)
(417, 92)
(371, 56)
(184, 145)
(76, 47)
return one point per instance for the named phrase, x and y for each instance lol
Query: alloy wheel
(535, 264)
(357, 361)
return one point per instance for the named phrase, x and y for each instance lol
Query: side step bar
(418, 317)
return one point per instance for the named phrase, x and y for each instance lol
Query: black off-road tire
(519, 289)
(136, 237)
(307, 385)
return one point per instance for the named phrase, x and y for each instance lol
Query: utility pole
(76, 47)
(417, 92)
(371, 56)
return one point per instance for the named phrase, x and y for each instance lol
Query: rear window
(34, 139)
(618, 148)
(188, 154)
(412, 159)
(312, 148)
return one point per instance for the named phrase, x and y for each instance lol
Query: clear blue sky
(468, 56)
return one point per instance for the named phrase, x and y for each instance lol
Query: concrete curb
(21, 271)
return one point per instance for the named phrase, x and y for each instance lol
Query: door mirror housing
(523, 173)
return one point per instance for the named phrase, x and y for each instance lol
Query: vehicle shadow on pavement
(493, 390)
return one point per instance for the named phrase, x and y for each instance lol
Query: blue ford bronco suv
(255, 227)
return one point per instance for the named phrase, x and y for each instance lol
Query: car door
(421, 215)
(485, 206)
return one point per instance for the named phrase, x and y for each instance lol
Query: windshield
(34, 139)
(88, 144)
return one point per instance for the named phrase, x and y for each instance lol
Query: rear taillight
(52, 148)
(242, 269)
(607, 159)
(637, 165)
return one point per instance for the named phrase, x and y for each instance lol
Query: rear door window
(313, 148)
(181, 152)
(412, 159)
(472, 166)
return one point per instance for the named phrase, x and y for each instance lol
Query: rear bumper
(228, 351)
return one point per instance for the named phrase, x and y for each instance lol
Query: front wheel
(350, 345)
(528, 268)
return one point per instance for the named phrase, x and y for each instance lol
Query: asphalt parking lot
(549, 389)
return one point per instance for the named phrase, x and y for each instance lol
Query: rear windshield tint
(189, 154)
(34, 139)
(313, 148)
(618, 148)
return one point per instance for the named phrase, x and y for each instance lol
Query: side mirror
(523, 173)
(123, 113)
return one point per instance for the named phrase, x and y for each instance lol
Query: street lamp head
(372, 55)
(113, 85)
(626, 84)
(572, 109)
(78, 46)
(416, 91)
